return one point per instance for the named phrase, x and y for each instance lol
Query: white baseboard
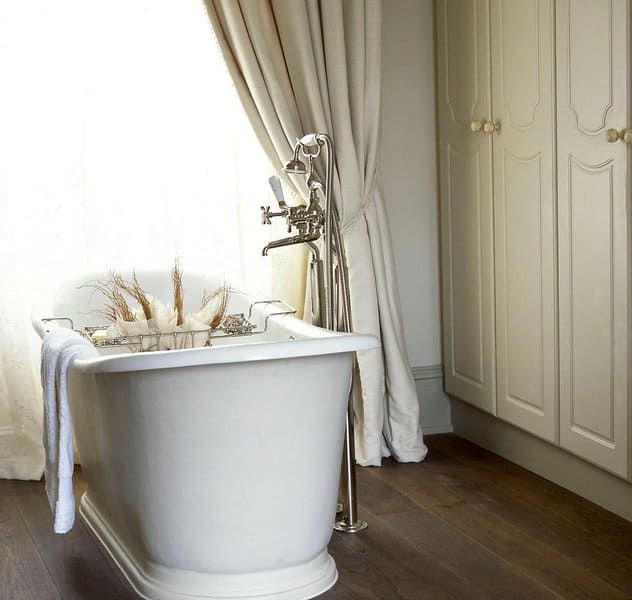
(434, 405)
(428, 372)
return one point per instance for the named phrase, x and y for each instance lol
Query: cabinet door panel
(524, 215)
(593, 214)
(466, 200)
(465, 220)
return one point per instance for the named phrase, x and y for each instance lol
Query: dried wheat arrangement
(149, 316)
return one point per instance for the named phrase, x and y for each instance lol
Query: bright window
(122, 144)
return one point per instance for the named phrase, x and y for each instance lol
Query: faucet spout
(301, 238)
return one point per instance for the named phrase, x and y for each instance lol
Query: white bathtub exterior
(213, 472)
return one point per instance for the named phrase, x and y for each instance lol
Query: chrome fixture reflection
(331, 304)
(314, 182)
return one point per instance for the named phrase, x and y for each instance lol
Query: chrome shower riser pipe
(349, 522)
(334, 251)
(332, 285)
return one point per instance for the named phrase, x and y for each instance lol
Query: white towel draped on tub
(60, 348)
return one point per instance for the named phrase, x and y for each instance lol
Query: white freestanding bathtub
(213, 472)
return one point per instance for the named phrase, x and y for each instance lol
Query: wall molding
(434, 404)
(427, 372)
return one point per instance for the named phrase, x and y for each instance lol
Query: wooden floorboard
(600, 526)
(75, 562)
(464, 524)
(538, 521)
(23, 574)
(412, 572)
(474, 512)
(486, 572)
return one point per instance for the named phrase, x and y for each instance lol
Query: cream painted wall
(409, 169)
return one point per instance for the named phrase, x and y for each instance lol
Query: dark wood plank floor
(463, 524)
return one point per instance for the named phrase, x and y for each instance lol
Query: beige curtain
(303, 66)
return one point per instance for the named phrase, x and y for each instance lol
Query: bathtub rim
(237, 353)
(311, 341)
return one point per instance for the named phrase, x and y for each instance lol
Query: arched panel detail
(520, 60)
(461, 60)
(590, 65)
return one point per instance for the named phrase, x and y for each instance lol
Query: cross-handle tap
(296, 216)
(277, 190)
(266, 215)
(308, 219)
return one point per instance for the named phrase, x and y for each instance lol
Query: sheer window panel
(122, 144)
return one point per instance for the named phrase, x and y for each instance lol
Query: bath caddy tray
(233, 325)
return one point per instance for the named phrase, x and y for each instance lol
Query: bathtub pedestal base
(160, 582)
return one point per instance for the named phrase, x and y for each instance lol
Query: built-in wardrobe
(535, 146)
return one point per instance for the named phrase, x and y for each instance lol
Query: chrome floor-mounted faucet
(309, 221)
(330, 280)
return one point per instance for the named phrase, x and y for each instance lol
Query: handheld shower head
(296, 166)
(313, 181)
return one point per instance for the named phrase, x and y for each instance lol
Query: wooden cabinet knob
(613, 135)
(491, 127)
(477, 126)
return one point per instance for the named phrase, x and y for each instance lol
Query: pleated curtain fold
(302, 66)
